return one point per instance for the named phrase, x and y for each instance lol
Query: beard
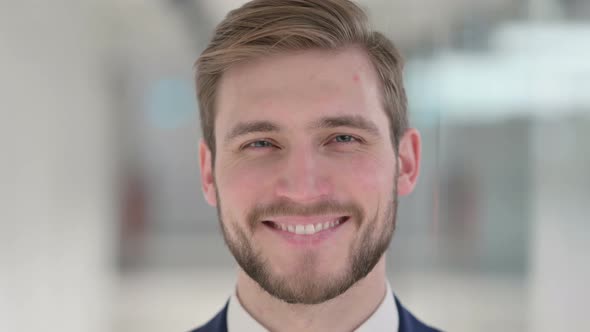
(303, 287)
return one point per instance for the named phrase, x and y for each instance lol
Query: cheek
(369, 175)
(243, 184)
(240, 185)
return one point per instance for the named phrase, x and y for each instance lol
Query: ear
(409, 161)
(207, 179)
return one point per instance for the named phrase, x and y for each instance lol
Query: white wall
(560, 262)
(56, 174)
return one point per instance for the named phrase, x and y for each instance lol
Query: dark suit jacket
(407, 322)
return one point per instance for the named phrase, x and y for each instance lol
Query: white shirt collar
(385, 318)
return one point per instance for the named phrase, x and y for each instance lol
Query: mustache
(286, 207)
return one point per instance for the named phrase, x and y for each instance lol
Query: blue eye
(259, 144)
(344, 139)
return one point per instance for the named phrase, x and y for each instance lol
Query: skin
(299, 166)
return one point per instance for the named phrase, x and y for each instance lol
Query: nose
(304, 177)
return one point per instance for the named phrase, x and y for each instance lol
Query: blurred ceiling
(414, 26)
(408, 23)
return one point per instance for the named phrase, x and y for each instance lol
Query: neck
(346, 312)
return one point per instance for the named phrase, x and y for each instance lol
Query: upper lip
(299, 220)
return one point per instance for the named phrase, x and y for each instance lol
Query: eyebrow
(245, 128)
(351, 121)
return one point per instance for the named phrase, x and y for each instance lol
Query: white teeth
(299, 229)
(309, 229)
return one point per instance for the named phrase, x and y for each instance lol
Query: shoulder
(216, 324)
(408, 322)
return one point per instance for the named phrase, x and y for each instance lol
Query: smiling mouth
(309, 228)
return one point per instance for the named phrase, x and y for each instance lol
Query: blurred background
(102, 222)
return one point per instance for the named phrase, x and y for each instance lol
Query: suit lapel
(409, 323)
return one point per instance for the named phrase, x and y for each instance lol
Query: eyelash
(345, 135)
(249, 145)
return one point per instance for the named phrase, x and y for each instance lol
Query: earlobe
(409, 151)
(207, 178)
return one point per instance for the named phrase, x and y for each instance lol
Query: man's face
(305, 173)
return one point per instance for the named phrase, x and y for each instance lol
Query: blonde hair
(263, 27)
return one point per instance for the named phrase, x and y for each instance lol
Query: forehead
(297, 88)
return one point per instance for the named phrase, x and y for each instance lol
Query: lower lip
(307, 240)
